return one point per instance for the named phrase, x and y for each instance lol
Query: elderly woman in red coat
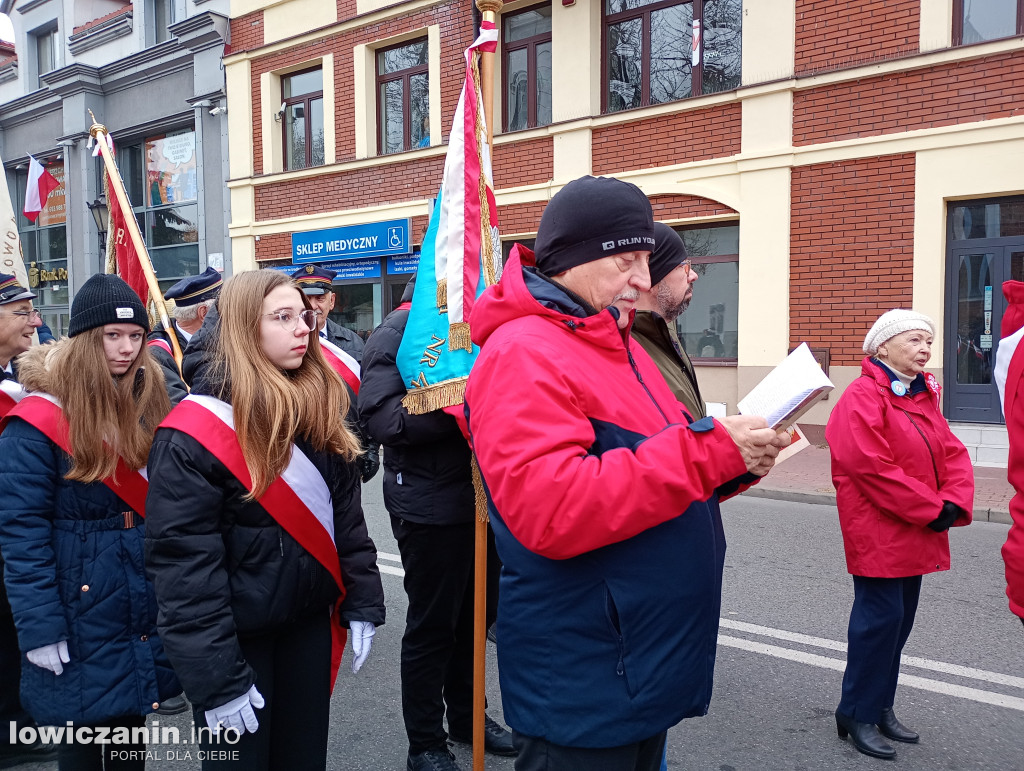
(902, 480)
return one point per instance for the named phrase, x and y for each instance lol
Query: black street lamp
(99, 214)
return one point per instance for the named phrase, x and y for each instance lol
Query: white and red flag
(460, 256)
(40, 184)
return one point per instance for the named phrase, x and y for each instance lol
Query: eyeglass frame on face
(308, 316)
(31, 315)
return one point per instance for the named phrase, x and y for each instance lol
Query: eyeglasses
(290, 320)
(686, 265)
(32, 314)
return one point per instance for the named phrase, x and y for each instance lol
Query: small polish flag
(40, 184)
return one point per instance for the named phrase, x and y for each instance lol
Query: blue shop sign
(346, 269)
(375, 239)
(405, 264)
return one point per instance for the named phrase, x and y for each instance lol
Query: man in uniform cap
(316, 285)
(18, 320)
(193, 297)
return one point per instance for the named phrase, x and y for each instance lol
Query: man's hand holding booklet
(787, 392)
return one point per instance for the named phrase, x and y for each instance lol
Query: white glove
(237, 713)
(362, 633)
(51, 656)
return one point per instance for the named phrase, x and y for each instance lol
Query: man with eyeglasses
(18, 320)
(316, 284)
(672, 279)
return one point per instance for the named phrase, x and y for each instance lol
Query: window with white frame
(658, 51)
(403, 98)
(47, 44)
(526, 45)
(303, 119)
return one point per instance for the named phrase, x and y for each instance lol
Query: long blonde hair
(107, 416)
(272, 407)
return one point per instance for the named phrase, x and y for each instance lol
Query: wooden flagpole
(99, 133)
(489, 10)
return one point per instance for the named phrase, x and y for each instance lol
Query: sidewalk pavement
(807, 478)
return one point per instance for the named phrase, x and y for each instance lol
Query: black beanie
(669, 252)
(591, 218)
(106, 299)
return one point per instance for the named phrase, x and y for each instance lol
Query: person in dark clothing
(257, 544)
(316, 284)
(657, 309)
(72, 535)
(17, 320)
(193, 297)
(428, 491)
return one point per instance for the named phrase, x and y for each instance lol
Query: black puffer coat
(427, 476)
(223, 568)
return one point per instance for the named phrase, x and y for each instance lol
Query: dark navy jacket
(73, 572)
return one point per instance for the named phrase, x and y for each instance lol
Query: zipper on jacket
(639, 377)
(280, 542)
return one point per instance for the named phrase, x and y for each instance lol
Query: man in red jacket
(1009, 374)
(603, 496)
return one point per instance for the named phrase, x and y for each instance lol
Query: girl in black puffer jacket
(256, 531)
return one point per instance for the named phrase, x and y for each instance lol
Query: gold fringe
(481, 496)
(442, 296)
(459, 338)
(420, 401)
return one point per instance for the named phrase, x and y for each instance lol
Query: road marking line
(389, 557)
(912, 661)
(391, 570)
(827, 662)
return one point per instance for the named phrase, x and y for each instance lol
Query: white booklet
(789, 390)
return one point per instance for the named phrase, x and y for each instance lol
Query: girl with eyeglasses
(72, 502)
(257, 544)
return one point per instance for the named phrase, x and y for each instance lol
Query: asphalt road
(786, 602)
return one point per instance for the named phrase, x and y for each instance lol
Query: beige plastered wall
(968, 160)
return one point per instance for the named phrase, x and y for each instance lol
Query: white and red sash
(162, 344)
(342, 363)
(11, 392)
(44, 413)
(298, 500)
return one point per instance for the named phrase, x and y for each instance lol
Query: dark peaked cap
(313, 279)
(196, 289)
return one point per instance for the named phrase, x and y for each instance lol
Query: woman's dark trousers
(880, 623)
(293, 674)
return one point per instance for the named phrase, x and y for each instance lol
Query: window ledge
(9, 71)
(96, 36)
(714, 363)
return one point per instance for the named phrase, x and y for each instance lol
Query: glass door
(974, 309)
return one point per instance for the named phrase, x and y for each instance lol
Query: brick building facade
(825, 161)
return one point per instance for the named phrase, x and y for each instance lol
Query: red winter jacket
(1009, 371)
(887, 486)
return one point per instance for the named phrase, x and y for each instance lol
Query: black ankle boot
(865, 736)
(895, 730)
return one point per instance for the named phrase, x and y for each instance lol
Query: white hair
(187, 313)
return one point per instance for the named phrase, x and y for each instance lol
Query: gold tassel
(420, 401)
(481, 496)
(459, 338)
(442, 296)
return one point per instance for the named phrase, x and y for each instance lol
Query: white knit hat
(892, 323)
